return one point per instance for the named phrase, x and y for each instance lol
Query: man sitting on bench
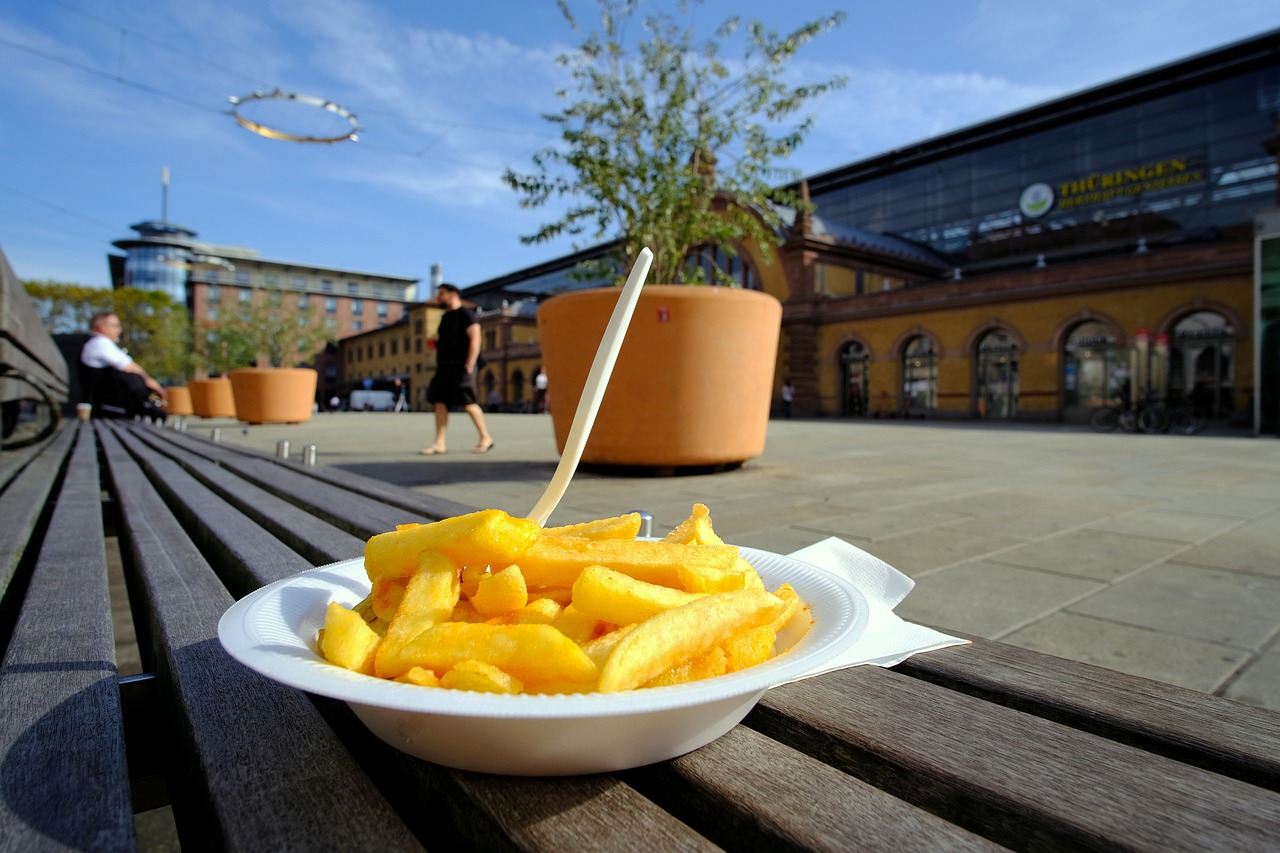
(110, 380)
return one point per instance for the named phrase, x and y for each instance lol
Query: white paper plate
(273, 631)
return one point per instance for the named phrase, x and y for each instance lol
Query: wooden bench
(32, 369)
(969, 748)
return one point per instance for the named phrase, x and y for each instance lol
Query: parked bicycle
(1150, 416)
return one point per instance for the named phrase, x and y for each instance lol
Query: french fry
(501, 592)
(486, 537)
(675, 636)
(348, 641)
(542, 611)
(532, 653)
(709, 665)
(614, 597)
(429, 598)
(558, 560)
(419, 676)
(619, 527)
(480, 677)
(695, 530)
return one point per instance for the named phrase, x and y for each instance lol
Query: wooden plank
(748, 792)
(1226, 737)
(1017, 779)
(24, 341)
(251, 764)
(24, 503)
(65, 778)
(478, 811)
(244, 555)
(428, 506)
(314, 538)
(358, 515)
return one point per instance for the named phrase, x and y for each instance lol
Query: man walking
(454, 384)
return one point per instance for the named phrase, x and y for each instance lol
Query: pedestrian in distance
(454, 383)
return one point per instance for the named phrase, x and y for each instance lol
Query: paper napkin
(888, 639)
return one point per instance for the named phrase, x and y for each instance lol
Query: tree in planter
(268, 331)
(666, 147)
(156, 330)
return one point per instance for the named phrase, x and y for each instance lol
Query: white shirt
(540, 382)
(101, 351)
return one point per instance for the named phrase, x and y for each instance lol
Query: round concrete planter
(211, 398)
(693, 382)
(274, 395)
(178, 401)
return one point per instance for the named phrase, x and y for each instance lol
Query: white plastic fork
(593, 391)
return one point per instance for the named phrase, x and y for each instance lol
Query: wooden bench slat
(480, 811)
(425, 505)
(1226, 737)
(795, 801)
(314, 538)
(25, 497)
(238, 740)
(358, 515)
(1015, 778)
(65, 776)
(244, 555)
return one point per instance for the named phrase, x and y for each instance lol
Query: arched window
(517, 388)
(919, 377)
(719, 267)
(853, 385)
(1202, 362)
(1093, 368)
(997, 385)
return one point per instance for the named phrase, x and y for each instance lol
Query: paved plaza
(1152, 555)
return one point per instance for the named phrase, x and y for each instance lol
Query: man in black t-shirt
(457, 354)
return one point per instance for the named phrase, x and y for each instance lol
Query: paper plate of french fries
(487, 642)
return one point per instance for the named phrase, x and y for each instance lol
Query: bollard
(646, 522)
(282, 448)
(309, 455)
(216, 434)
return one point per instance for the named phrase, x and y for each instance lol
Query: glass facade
(1184, 165)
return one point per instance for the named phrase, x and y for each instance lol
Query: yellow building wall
(1037, 324)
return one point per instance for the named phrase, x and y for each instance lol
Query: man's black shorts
(453, 386)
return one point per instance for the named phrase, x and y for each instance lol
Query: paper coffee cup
(83, 410)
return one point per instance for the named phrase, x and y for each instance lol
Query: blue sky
(100, 95)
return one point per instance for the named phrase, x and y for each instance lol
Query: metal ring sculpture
(291, 97)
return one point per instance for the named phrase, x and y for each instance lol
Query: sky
(99, 97)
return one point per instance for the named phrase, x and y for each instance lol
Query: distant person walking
(454, 384)
(788, 395)
(402, 404)
(540, 390)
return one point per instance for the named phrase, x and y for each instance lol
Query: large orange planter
(274, 395)
(178, 401)
(211, 398)
(693, 382)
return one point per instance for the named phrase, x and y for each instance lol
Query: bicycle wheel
(1185, 421)
(1153, 420)
(1104, 419)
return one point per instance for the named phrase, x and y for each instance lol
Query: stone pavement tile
(1213, 503)
(1190, 601)
(989, 599)
(925, 551)
(1090, 554)
(1161, 524)
(880, 525)
(1171, 658)
(1212, 475)
(1258, 682)
(1037, 519)
(1251, 548)
(782, 539)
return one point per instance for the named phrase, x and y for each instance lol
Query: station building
(1031, 267)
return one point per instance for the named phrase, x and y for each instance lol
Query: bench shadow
(443, 471)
